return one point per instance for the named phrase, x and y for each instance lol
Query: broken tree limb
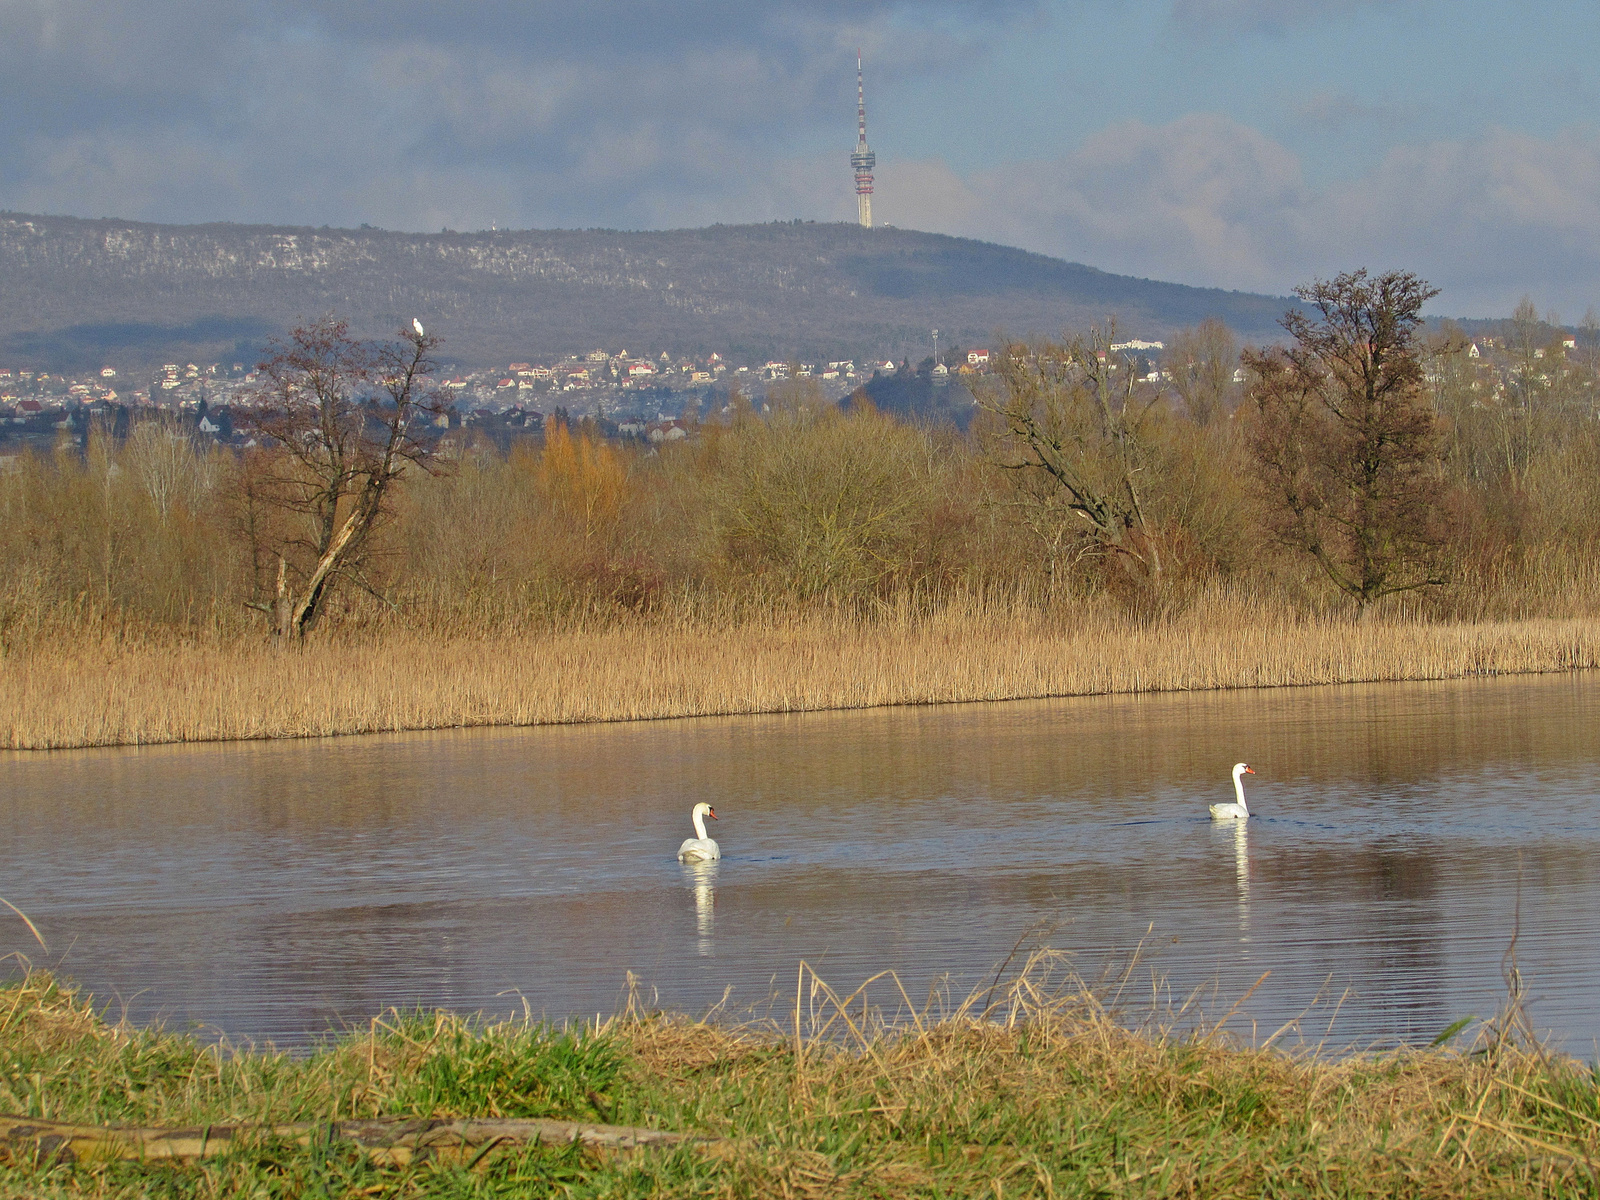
(389, 1141)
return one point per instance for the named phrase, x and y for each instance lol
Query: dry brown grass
(121, 691)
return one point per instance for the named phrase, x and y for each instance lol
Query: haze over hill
(75, 292)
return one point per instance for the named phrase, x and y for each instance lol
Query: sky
(1250, 144)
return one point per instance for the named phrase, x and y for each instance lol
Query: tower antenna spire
(861, 101)
(863, 159)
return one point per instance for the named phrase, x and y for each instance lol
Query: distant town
(625, 395)
(650, 398)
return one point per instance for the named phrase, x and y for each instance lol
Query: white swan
(1233, 812)
(700, 848)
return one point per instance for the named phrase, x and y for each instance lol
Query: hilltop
(78, 292)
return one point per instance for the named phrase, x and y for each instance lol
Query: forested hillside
(74, 292)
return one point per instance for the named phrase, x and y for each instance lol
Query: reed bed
(1044, 1088)
(123, 691)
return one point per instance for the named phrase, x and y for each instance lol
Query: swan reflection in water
(701, 879)
(1238, 832)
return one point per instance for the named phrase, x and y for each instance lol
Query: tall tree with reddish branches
(1346, 446)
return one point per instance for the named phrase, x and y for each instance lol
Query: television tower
(863, 160)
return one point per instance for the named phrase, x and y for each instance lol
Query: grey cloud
(1189, 200)
(1493, 218)
(420, 113)
(70, 65)
(1338, 111)
(283, 112)
(1207, 200)
(607, 26)
(1266, 16)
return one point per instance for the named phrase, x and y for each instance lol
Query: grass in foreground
(1047, 1096)
(85, 693)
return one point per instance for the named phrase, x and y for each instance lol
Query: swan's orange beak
(1248, 771)
(712, 813)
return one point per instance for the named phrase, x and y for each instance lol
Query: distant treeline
(1467, 487)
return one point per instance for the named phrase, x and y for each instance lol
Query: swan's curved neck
(1238, 791)
(699, 826)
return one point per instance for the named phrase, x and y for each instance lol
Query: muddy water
(276, 890)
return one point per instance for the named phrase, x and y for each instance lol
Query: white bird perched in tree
(417, 325)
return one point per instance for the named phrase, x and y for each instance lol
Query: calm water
(275, 890)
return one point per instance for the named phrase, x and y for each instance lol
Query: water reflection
(701, 878)
(273, 889)
(1241, 874)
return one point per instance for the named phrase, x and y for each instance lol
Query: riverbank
(121, 691)
(1049, 1095)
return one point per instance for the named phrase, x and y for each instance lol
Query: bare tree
(1461, 392)
(1521, 406)
(344, 421)
(822, 503)
(1345, 443)
(170, 468)
(1074, 425)
(1202, 363)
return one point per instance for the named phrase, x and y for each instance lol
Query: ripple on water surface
(275, 889)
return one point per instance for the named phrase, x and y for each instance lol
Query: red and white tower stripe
(863, 160)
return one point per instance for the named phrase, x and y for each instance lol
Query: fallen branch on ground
(389, 1141)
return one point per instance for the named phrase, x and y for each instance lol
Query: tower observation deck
(863, 159)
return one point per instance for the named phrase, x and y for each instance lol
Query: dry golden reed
(122, 692)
